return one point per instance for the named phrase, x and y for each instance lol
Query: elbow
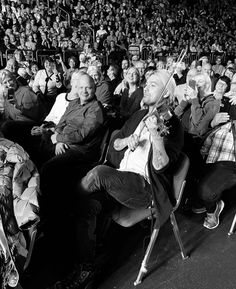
(160, 165)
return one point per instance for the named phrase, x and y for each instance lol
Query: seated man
(219, 174)
(103, 90)
(65, 153)
(140, 168)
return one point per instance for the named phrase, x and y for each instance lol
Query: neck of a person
(132, 87)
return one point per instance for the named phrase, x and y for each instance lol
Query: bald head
(86, 88)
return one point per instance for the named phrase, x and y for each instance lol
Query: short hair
(94, 69)
(73, 58)
(227, 80)
(49, 59)
(116, 68)
(84, 74)
(149, 68)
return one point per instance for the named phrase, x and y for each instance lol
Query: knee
(205, 191)
(86, 183)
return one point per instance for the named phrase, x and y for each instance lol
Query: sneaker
(212, 220)
(199, 210)
(81, 277)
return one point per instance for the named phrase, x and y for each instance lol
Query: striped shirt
(219, 146)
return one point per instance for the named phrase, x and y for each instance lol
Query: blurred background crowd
(112, 30)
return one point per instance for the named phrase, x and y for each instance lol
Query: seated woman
(131, 95)
(47, 82)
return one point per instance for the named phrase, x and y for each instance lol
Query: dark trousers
(58, 178)
(128, 188)
(101, 190)
(20, 132)
(217, 178)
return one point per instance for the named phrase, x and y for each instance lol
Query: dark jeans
(129, 189)
(217, 178)
(103, 189)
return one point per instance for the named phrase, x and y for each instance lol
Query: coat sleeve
(201, 116)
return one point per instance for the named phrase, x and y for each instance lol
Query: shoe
(82, 277)
(199, 210)
(212, 220)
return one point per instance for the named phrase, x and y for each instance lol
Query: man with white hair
(103, 90)
(140, 161)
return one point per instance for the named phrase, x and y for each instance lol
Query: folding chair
(128, 217)
(231, 230)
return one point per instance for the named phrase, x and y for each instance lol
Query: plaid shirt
(219, 145)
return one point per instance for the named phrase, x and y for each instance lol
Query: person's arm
(36, 86)
(201, 117)
(179, 110)
(64, 68)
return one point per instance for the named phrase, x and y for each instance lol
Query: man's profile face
(86, 89)
(153, 90)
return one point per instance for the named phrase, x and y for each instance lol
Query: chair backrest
(104, 145)
(179, 177)
(127, 217)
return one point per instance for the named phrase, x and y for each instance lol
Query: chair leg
(143, 268)
(177, 235)
(33, 234)
(231, 231)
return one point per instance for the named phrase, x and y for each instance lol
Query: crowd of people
(111, 27)
(62, 113)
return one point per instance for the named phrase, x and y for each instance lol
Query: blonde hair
(4, 73)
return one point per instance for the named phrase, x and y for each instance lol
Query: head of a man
(206, 68)
(95, 73)
(155, 88)
(12, 65)
(222, 86)
(86, 88)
